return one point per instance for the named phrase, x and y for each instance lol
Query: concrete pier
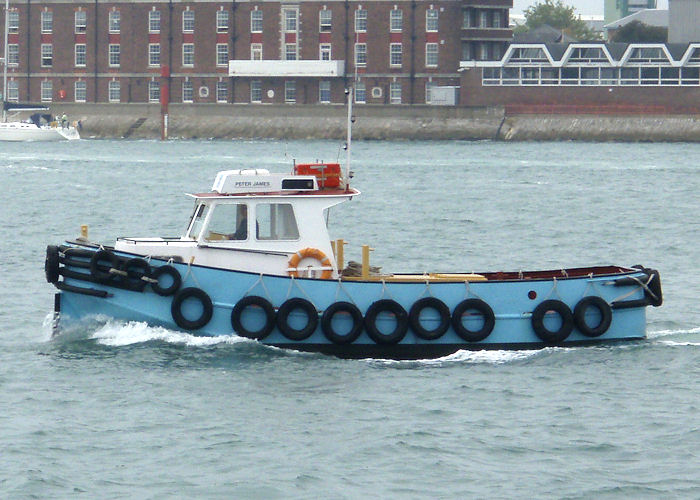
(231, 121)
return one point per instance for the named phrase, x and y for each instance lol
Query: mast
(348, 142)
(4, 62)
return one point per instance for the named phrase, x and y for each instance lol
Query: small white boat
(29, 131)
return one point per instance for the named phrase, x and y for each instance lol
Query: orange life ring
(61, 94)
(310, 253)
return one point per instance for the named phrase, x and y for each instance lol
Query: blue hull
(389, 334)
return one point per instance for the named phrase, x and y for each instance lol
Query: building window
(12, 90)
(80, 21)
(12, 54)
(256, 51)
(484, 19)
(290, 52)
(290, 91)
(360, 93)
(46, 90)
(431, 55)
(188, 54)
(114, 54)
(496, 19)
(187, 92)
(429, 92)
(360, 20)
(256, 21)
(187, 21)
(395, 93)
(483, 51)
(114, 91)
(80, 54)
(221, 21)
(46, 55)
(290, 20)
(153, 91)
(466, 19)
(431, 20)
(325, 51)
(80, 91)
(221, 91)
(396, 20)
(360, 54)
(154, 21)
(13, 22)
(47, 22)
(154, 54)
(395, 54)
(115, 20)
(255, 91)
(325, 20)
(466, 51)
(221, 54)
(324, 92)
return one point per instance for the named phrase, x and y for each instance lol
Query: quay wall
(372, 122)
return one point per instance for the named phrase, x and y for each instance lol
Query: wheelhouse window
(276, 221)
(197, 220)
(227, 222)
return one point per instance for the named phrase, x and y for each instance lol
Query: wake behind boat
(257, 260)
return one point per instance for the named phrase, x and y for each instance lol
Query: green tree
(557, 15)
(638, 32)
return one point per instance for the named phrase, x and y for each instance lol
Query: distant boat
(39, 126)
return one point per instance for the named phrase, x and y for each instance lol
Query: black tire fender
(51, 264)
(429, 303)
(283, 315)
(476, 305)
(166, 270)
(99, 270)
(339, 308)
(567, 321)
(580, 316)
(390, 306)
(136, 270)
(207, 308)
(253, 301)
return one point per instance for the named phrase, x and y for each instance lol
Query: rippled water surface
(123, 410)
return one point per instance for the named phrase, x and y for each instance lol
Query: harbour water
(119, 410)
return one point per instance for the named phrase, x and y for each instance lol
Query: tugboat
(257, 261)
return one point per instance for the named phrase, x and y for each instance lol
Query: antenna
(348, 143)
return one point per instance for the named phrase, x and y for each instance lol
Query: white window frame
(432, 18)
(13, 21)
(80, 56)
(154, 91)
(114, 91)
(222, 54)
(325, 51)
(256, 21)
(360, 21)
(47, 21)
(46, 91)
(431, 51)
(114, 55)
(80, 21)
(13, 90)
(325, 21)
(290, 91)
(154, 21)
(324, 86)
(360, 93)
(291, 52)
(396, 20)
(290, 20)
(395, 56)
(12, 55)
(153, 55)
(256, 91)
(188, 21)
(187, 92)
(256, 51)
(46, 55)
(222, 91)
(221, 21)
(80, 91)
(188, 55)
(483, 19)
(395, 93)
(115, 21)
(362, 52)
(466, 18)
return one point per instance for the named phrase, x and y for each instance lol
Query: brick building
(304, 52)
